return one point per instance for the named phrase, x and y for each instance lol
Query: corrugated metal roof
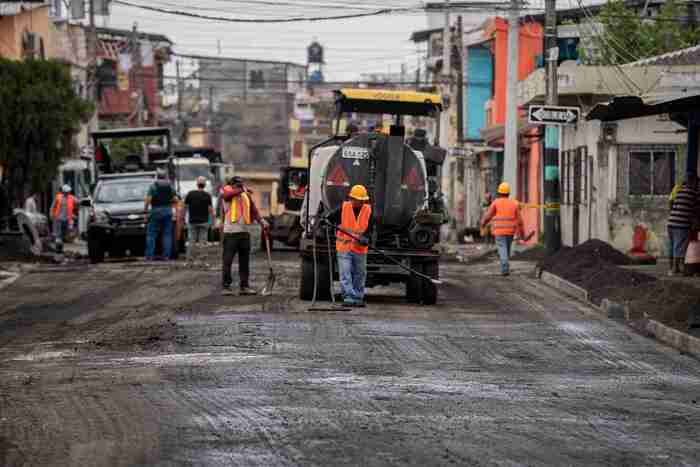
(689, 56)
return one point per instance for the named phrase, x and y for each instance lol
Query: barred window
(651, 172)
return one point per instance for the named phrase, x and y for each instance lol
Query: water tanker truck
(403, 184)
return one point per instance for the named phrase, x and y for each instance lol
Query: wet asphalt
(129, 364)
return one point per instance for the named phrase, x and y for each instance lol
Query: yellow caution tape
(541, 206)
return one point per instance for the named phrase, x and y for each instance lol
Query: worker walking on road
(355, 217)
(200, 210)
(160, 199)
(506, 222)
(238, 213)
(62, 215)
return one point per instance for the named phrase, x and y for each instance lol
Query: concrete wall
(479, 83)
(532, 216)
(608, 211)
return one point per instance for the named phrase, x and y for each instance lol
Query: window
(651, 172)
(574, 176)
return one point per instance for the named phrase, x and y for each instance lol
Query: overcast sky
(353, 46)
(376, 44)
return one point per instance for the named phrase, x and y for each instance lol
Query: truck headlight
(99, 216)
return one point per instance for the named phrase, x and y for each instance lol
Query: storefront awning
(624, 107)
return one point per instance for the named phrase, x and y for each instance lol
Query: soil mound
(671, 302)
(591, 249)
(594, 265)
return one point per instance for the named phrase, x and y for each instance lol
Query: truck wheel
(430, 292)
(96, 250)
(306, 286)
(414, 286)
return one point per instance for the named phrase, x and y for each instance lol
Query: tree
(40, 114)
(625, 37)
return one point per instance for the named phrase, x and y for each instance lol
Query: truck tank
(393, 173)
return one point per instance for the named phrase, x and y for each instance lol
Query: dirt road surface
(130, 364)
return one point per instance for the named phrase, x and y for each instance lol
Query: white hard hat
(66, 188)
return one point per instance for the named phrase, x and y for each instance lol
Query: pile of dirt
(593, 249)
(674, 303)
(594, 265)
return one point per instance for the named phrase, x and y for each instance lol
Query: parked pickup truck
(117, 222)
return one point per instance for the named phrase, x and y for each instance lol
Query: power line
(383, 11)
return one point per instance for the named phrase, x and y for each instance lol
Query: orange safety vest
(505, 221)
(57, 206)
(245, 200)
(356, 225)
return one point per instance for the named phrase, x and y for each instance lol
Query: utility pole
(510, 161)
(552, 224)
(138, 74)
(92, 68)
(445, 115)
(179, 90)
(466, 181)
(417, 70)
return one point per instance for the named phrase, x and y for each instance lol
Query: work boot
(247, 291)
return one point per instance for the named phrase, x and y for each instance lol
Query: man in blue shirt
(160, 199)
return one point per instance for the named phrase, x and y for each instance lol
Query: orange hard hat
(359, 192)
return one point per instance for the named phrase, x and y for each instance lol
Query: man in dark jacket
(160, 199)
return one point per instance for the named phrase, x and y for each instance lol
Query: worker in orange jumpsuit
(506, 221)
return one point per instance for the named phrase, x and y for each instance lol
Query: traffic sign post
(553, 115)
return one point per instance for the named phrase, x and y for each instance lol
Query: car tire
(414, 286)
(96, 250)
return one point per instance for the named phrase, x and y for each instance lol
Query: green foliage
(40, 113)
(626, 37)
(121, 147)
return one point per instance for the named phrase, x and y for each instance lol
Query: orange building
(530, 47)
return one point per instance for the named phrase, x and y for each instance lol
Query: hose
(330, 264)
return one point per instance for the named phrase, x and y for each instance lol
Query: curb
(679, 340)
(8, 278)
(564, 286)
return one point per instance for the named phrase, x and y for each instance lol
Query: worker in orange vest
(237, 214)
(62, 215)
(356, 218)
(506, 222)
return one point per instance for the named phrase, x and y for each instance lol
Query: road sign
(553, 115)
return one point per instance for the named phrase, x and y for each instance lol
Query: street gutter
(684, 343)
